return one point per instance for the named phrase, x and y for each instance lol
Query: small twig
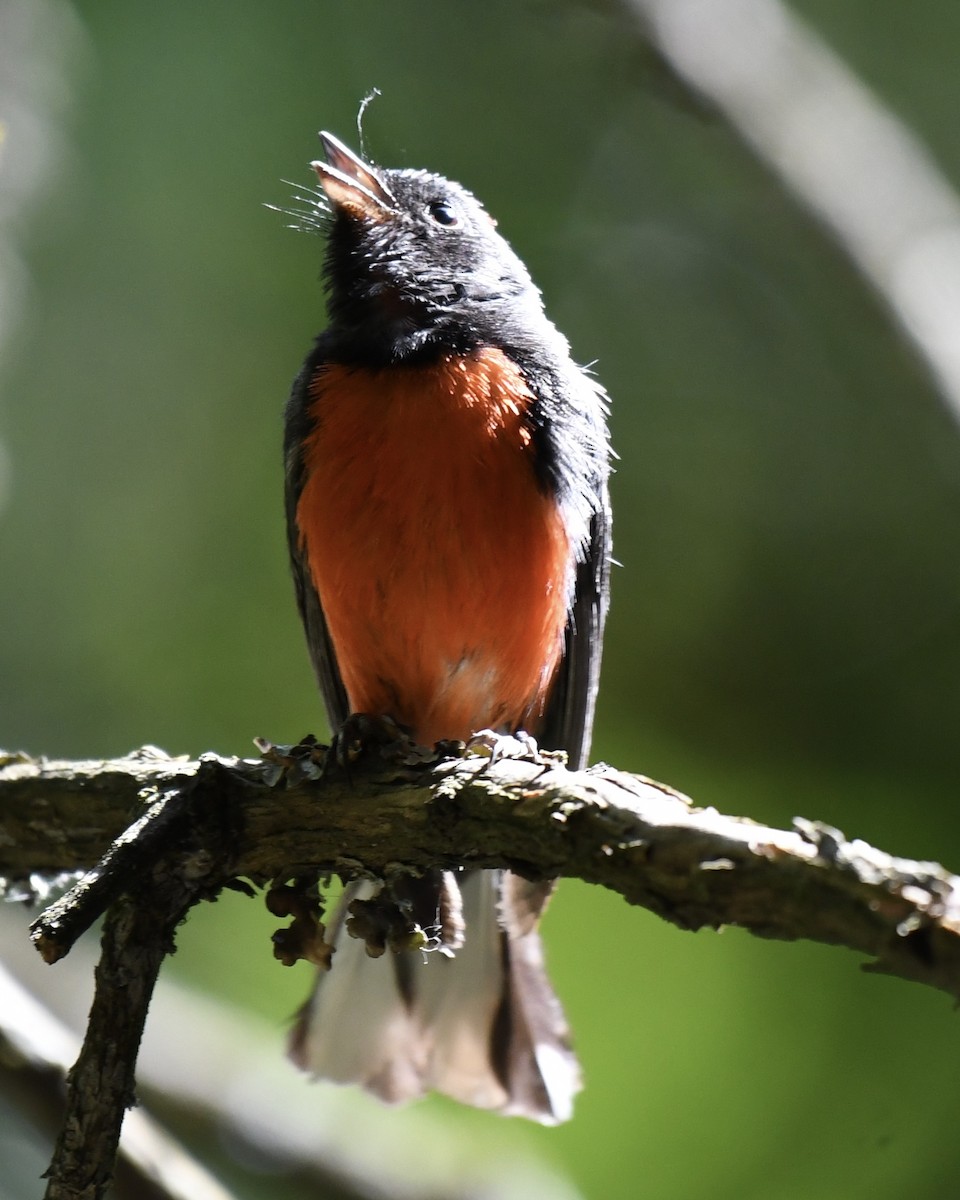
(193, 850)
(100, 1087)
(73, 914)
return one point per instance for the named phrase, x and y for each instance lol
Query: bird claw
(362, 736)
(486, 743)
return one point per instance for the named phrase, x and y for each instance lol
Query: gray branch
(153, 835)
(283, 815)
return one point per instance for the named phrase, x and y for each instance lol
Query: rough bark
(154, 835)
(283, 816)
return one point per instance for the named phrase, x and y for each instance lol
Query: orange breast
(443, 570)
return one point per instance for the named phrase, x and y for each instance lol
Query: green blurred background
(785, 631)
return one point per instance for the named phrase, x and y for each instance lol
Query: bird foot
(486, 743)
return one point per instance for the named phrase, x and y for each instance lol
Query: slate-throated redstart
(449, 529)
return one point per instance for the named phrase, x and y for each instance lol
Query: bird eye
(443, 212)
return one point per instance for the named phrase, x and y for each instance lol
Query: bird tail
(483, 1025)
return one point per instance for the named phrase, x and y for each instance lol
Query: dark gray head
(415, 264)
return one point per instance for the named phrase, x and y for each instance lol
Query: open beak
(350, 184)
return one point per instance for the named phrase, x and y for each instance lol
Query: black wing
(568, 718)
(573, 455)
(298, 425)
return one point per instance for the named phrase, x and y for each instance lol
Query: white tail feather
(483, 1027)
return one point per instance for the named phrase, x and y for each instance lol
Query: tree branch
(281, 816)
(396, 809)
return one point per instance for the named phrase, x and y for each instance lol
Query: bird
(447, 500)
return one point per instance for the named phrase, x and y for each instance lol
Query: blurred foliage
(785, 635)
